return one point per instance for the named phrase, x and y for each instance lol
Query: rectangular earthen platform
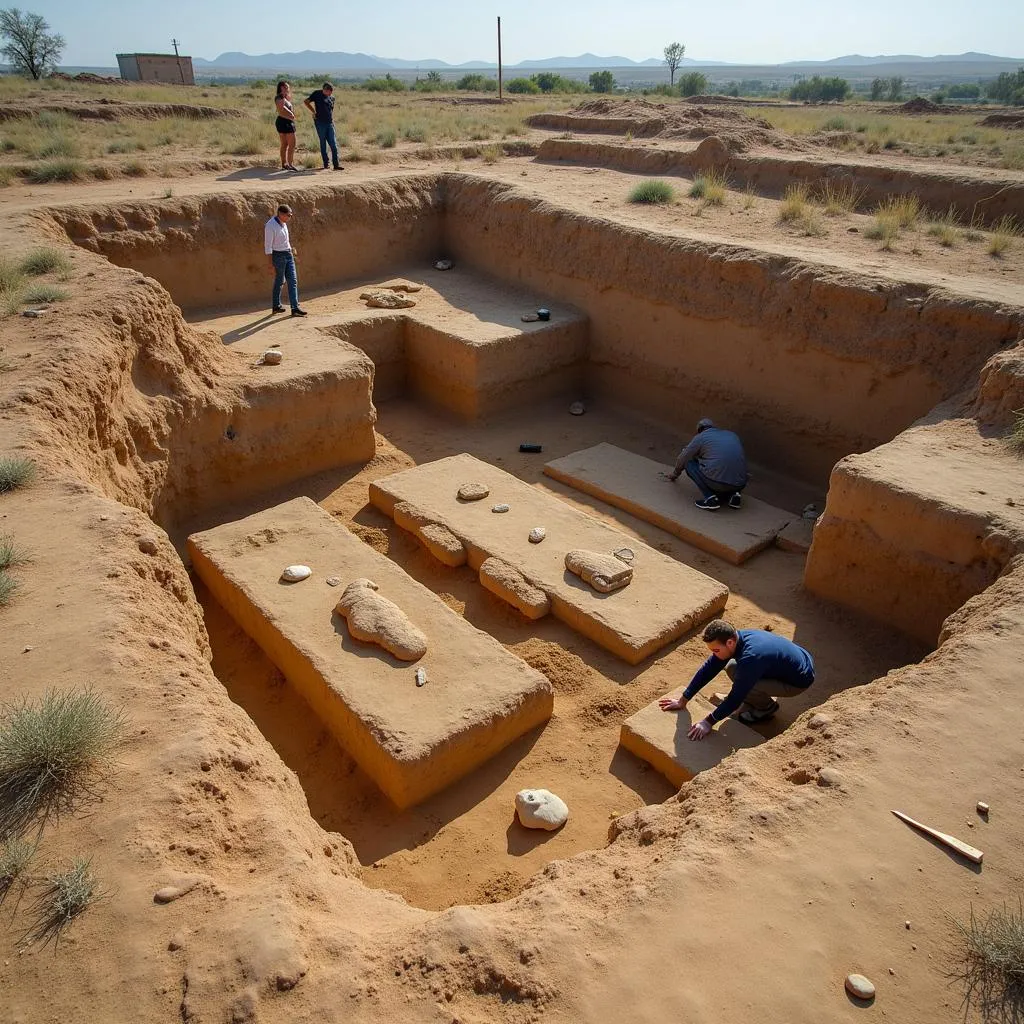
(412, 741)
(631, 482)
(664, 600)
(659, 737)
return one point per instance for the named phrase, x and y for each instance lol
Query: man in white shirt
(278, 247)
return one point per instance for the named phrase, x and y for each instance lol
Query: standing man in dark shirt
(321, 105)
(761, 666)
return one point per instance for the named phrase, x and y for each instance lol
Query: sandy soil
(747, 896)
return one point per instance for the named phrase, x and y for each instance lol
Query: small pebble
(170, 893)
(333, 581)
(295, 573)
(982, 807)
(577, 409)
(148, 545)
(906, 924)
(25, 650)
(818, 721)
(829, 777)
(421, 676)
(892, 972)
(500, 508)
(859, 986)
(473, 491)
(537, 534)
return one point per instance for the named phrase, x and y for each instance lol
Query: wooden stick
(970, 852)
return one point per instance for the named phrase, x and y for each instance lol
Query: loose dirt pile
(1003, 121)
(919, 105)
(643, 119)
(116, 110)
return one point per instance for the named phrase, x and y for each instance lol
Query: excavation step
(411, 740)
(631, 482)
(659, 737)
(664, 600)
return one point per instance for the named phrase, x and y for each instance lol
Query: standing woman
(286, 125)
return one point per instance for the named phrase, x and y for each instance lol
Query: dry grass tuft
(65, 896)
(992, 967)
(905, 210)
(54, 752)
(39, 293)
(8, 586)
(15, 471)
(1016, 436)
(794, 204)
(10, 553)
(711, 187)
(45, 261)
(15, 856)
(839, 198)
(1002, 236)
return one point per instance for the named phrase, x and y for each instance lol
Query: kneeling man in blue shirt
(761, 666)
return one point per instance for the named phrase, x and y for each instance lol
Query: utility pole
(177, 57)
(499, 60)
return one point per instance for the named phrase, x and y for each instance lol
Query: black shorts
(285, 127)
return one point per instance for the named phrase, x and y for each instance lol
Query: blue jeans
(284, 270)
(709, 488)
(327, 138)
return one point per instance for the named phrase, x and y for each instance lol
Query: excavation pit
(647, 323)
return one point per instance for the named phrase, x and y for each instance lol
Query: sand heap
(643, 119)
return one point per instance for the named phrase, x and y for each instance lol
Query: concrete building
(156, 67)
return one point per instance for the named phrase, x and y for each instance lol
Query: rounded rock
(540, 808)
(859, 987)
(625, 555)
(818, 721)
(577, 409)
(272, 357)
(502, 507)
(537, 534)
(829, 777)
(473, 491)
(421, 676)
(296, 573)
(148, 545)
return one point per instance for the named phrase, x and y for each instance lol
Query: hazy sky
(741, 31)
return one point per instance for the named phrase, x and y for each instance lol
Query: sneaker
(299, 312)
(736, 500)
(338, 167)
(277, 309)
(711, 504)
(752, 717)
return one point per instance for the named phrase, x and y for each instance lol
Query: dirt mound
(643, 119)
(88, 77)
(1003, 121)
(116, 110)
(919, 105)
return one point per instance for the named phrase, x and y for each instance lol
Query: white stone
(859, 986)
(577, 409)
(540, 808)
(625, 555)
(272, 357)
(295, 573)
(537, 534)
(421, 676)
(982, 807)
(502, 507)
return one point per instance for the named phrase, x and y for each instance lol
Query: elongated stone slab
(659, 737)
(664, 600)
(631, 482)
(411, 740)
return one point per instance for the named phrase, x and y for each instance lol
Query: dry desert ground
(330, 841)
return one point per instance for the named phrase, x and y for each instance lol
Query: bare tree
(29, 45)
(673, 58)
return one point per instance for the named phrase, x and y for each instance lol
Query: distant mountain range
(317, 60)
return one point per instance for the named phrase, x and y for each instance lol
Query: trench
(649, 320)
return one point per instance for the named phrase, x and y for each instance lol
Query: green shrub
(886, 229)
(602, 81)
(652, 191)
(522, 86)
(836, 124)
(386, 139)
(57, 170)
(53, 753)
(12, 278)
(820, 90)
(59, 145)
(385, 84)
(15, 472)
(65, 896)
(693, 83)
(135, 169)
(46, 261)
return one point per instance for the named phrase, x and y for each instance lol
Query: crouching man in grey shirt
(714, 460)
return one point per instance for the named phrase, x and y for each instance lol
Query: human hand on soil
(666, 476)
(699, 729)
(668, 704)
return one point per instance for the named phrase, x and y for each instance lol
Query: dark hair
(327, 85)
(718, 631)
(280, 89)
(284, 208)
